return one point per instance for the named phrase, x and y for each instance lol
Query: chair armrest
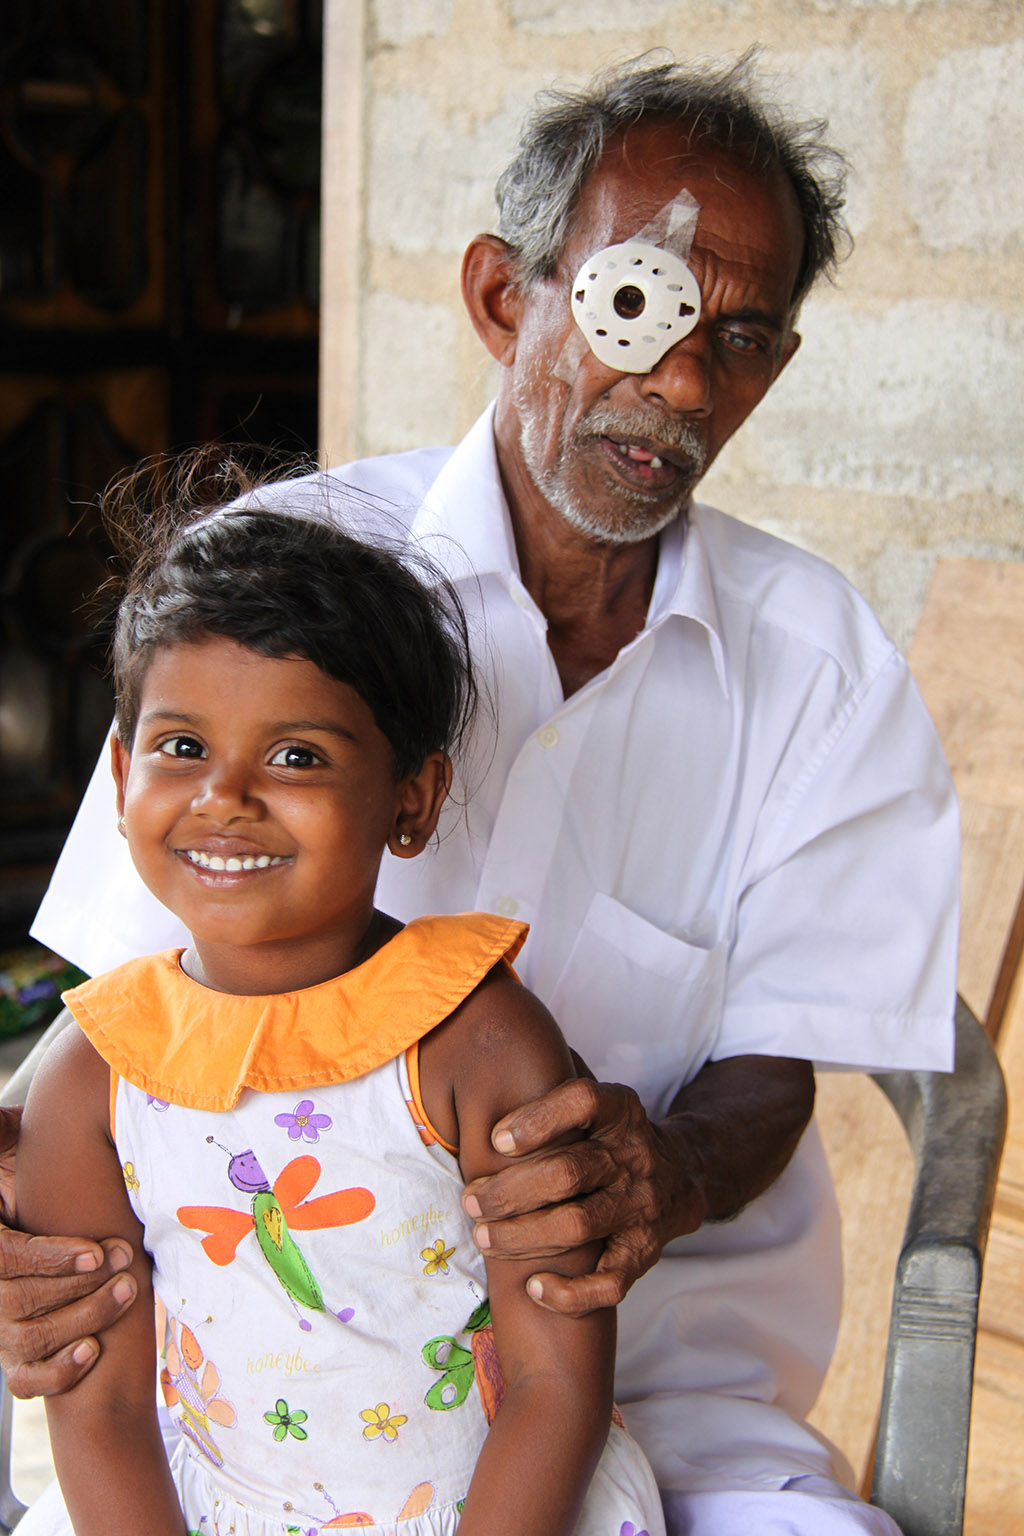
(955, 1123)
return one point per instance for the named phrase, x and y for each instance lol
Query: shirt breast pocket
(641, 1006)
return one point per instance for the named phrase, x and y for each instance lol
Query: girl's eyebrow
(274, 727)
(151, 717)
(332, 728)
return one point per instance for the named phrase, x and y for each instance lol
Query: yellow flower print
(437, 1258)
(381, 1421)
(131, 1178)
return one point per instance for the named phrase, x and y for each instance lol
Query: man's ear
(491, 297)
(120, 762)
(788, 350)
(420, 798)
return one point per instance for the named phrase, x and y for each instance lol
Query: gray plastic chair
(955, 1123)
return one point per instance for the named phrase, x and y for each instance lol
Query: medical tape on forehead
(650, 269)
(674, 226)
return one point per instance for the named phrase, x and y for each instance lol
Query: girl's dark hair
(375, 616)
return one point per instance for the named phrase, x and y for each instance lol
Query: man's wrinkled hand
(56, 1294)
(10, 1127)
(618, 1183)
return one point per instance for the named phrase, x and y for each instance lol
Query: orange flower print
(192, 1383)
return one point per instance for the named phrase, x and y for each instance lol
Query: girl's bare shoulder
(71, 1082)
(499, 1049)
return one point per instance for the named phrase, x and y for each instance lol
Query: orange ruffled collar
(185, 1043)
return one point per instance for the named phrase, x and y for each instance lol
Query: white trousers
(806, 1506)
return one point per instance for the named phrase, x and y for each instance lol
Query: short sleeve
(846, 930)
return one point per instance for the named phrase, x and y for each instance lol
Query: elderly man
(713, 791)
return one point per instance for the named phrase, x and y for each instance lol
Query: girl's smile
(258, 796)
(231, 863)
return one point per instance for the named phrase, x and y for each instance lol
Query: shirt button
(507, 906)
(548, 737)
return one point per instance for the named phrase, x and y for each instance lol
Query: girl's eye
(182, 746)
(295, 757)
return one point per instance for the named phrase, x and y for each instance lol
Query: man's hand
(55, 1293)
(619, 1184)
(10, 1125)
(636, 1184)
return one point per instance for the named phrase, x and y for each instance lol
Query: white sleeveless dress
(328, 1355)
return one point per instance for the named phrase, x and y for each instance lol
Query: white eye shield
(632, 302)
(635, 299)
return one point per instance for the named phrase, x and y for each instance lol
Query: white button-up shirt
(741, 837)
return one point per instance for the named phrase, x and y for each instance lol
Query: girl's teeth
(234, 862)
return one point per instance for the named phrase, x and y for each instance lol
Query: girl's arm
(106, 1441)
(499, 1050)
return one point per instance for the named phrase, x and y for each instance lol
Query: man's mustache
(679, 439)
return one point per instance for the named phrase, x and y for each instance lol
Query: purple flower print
(303, 1124)
(627, 1528)
(157, 1104)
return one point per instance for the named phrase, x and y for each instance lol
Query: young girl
(280, 1117)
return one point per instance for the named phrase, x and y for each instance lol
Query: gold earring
(405, 838)
(121, 826)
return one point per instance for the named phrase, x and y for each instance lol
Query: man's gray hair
(566, 134)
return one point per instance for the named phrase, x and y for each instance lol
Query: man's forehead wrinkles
(740, 283)
(736, 263)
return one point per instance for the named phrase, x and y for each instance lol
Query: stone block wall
(895, 435)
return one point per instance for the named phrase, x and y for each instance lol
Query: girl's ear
(120, 762)
(420, 798)
(491, 297)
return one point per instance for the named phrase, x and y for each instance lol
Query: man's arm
(56, 1293)
(728, 1135)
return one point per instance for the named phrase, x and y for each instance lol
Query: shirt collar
(684, 586)
(464, 525)
(463, 521)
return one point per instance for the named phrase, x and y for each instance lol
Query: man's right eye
(182, 746)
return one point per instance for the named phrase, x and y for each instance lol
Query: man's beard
(634, 515)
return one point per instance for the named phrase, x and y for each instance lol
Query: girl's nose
(227, 793)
